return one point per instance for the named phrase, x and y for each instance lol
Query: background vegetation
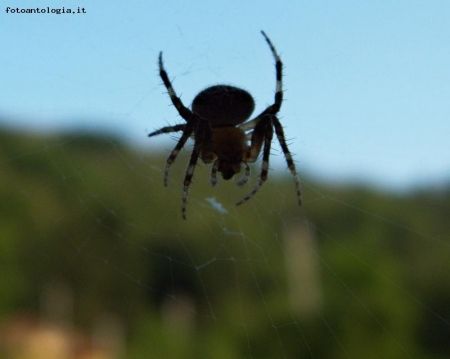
(90, 214)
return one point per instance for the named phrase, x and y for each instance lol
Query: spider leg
(249, 125)
(167, 129)
(182, 110)
(287, 154)
(257, 139)
(187, 132)
(263, 133)
(275, 107)
(279, 79)
(188, 177)
(203, 140)
(214, 169)
(246, 175)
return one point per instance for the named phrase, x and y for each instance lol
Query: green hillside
(91, 214)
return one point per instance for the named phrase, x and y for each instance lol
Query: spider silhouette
(217, 123)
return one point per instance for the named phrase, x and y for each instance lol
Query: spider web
(98, 260)
(104, 251)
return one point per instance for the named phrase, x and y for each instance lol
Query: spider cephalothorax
(221, 134)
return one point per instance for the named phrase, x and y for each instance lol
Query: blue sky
(367, 83)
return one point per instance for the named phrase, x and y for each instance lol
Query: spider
(223, 136)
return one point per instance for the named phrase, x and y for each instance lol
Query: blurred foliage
(92, 212)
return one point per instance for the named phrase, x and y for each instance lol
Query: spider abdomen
(223, 105)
